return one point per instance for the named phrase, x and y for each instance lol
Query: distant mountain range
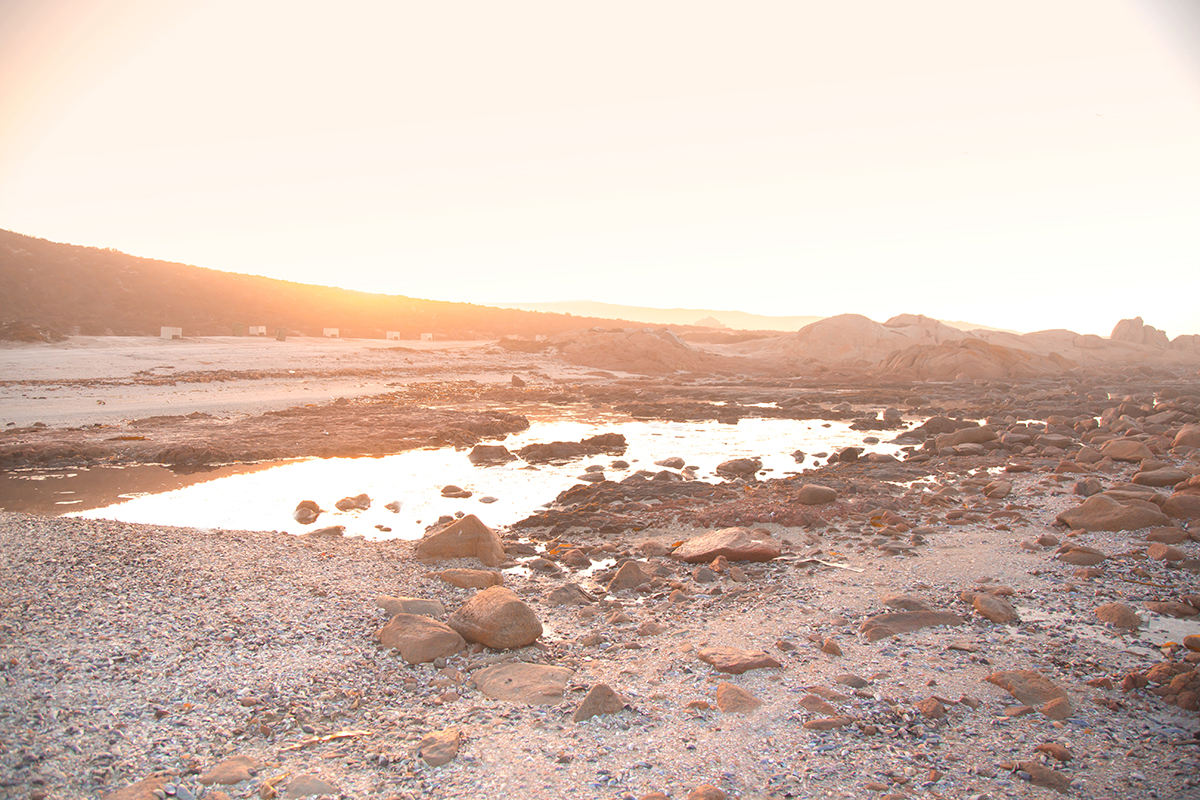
(48, 290)
(703, 317)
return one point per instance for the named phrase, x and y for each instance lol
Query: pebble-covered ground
(129, 652)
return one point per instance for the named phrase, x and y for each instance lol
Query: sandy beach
(866, 655)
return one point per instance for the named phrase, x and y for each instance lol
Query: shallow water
(1156, 629)
(263, 496)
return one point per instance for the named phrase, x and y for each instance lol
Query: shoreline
(146, 655)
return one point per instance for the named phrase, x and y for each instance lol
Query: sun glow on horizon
(1029, 166)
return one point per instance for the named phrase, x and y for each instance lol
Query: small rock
(309, 786)
(600, 700)
(931, 708)
(736, 661)
(464, 538)
(1034, 689)
(828, 723)
(440, 747)
(419, 639)
(997, 609)
(230, 771)
(1118, 615)
(812, 494)
(496, 617)
(518, 682)
(735, 700)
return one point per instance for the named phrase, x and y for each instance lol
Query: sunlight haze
(1025, 165)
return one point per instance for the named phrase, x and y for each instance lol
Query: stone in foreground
(881, 626)
(736, 544)
(600, 700)
(464, 538)
(734, 660)
(735, 700)
(231, 771)
(440, 747)
(1034, 689)
(410, 605)
(1101, 513)
(1118, 615)
(516, 682)
(420, 639)
(497, 618)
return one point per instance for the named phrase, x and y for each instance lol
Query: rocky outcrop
(1135, 331)
(973, 358)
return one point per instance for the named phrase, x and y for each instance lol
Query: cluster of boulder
(907, 346)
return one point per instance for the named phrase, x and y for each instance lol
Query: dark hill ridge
(88, 291)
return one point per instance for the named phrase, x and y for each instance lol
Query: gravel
(128, 651)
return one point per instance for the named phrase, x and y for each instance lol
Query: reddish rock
(1103, 513)
(1165, 552)
(735, 700)
(419, 639)
(497, 618)
(1034, 689)
(735, 544)
(464, 538)
(997, 609)
(1055, 751)
(1188, 436)
(977, 435)
(736, 661)
(569, 594)
(518, 682)
(142, 790)
(882, 626)
(1183, 505)
(471, 578)
(1168, 535)
(931, 708)
(828, 723)
(230, 771)
(410, 605)
(1041, 775)
(1125, 450)
(906, 602)
(440, 747)
(1118, 615)
(1171, 608)
(1081, 556)
(628, 576)
(600, 700)
(1163, 476)
(812, 494)
(817, 705)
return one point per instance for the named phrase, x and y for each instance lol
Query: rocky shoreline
(1009, 609)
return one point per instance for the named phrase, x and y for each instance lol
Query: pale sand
(107, 379)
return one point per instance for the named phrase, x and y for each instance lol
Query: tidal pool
(263, 496)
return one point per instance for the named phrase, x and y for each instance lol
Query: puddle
(263, 496)
(1156, 629)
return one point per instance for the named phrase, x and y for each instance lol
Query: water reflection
(262, 497)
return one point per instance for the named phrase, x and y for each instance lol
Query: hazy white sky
(1019, 164)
